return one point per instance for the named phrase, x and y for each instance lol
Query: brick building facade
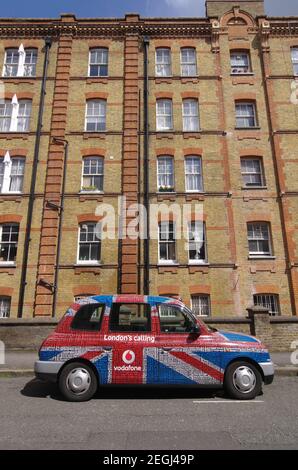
(214, 122)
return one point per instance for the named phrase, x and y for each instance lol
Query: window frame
(276, 302)
(164, 64)
(188, 314)
(4, 298)
(260, 254)
(243, 53)
(99, 158)
(254, 115)
(195, 117)
(97, 117)
(99, 65)
(199, 175)
(164, 115)
(197, 261)
(8, 175)
(10, 243)
(33, 53)
(260, 173)
(135, 332)
(294, 60)
(88, 262)
(171, 159)
(188, 64)
(13, 50)
(99, 324)
(167, 241)
(200, 296)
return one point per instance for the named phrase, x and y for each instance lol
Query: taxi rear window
(88, 317)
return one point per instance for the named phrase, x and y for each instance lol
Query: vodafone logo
(128, 357)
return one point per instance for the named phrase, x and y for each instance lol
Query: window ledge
(253, 187)
(167, 265)
(198, 263)
(252, 128)
(87, 265)
(249, 74)
(3, 264)
(96, 193)
(262, 257)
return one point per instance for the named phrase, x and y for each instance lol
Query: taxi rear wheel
(77, 382)
(243, 381)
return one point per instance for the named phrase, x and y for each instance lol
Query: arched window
(188, 62)
(163, 67)
(190, 112)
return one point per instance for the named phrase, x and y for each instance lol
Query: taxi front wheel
(243, 381)
(77, 382)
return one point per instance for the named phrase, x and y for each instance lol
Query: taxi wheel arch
(238, 363)
(83, 362)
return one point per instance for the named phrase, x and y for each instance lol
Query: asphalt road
(34, 416)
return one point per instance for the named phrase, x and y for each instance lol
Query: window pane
(201, 305)
(173, 320)
(4, 307)
(130, 317)
(8, 242)
(30, 62)
(88, 317)
(258, 238)
(269, 301)
(11, 63)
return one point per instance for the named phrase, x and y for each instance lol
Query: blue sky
(117, 8)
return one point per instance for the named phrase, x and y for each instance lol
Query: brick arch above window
(192, 152)
(194, 216)
(199, 289)
(251, 152)
(259, 218)
(190, 95)
(86, 289)
(266, 289)
(163, 95)
(27, 43)
(22, 95)
(162, 43)
(95, 151)
(249, 96)
(165, 152)
(99, 43)
(96, 95)
(167, 217)
(168, 290)
(188, 43)
(10, 218)
(88, 218)
(6, 291)
(239, 46)
(19, 152)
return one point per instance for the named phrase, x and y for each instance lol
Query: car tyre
(77, 382)
(242, 381)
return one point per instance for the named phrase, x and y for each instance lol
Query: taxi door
(129, 332)
(182, 355)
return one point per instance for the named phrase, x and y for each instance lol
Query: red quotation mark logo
(128, 357)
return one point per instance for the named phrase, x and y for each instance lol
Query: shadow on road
(39, 389)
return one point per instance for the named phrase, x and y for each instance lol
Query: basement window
(270, 301)
(5, 306)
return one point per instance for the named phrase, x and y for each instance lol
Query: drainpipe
(61, 211)
(23, 283)
(146, 169)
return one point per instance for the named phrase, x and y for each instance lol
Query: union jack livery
(135, 339)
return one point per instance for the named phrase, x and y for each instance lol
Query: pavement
(34, 416)
(21, 363)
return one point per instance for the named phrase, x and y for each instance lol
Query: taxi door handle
(107, 348)
(167, 349)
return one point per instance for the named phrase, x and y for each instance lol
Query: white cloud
(186, 7)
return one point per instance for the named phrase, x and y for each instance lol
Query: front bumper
(268, 371)
(47, 370)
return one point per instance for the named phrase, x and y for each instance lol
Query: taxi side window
(130, 317)
(88, 317)
(173, 320)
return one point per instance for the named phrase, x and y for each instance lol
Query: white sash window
(11, 174)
